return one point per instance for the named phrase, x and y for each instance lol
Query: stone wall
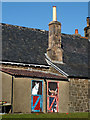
(54, 50)
(78, 95)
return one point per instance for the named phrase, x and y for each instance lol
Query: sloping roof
(29, 73)
(21, 44)
(26, 45)
(75, 70)
(75, 56)
(75, 50)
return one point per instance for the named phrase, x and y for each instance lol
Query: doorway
(52, 96)
(37, 96)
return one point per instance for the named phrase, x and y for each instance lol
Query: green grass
(48, 115)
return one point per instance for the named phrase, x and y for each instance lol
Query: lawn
(49, 115)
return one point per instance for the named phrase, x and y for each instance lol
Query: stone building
(45, 71)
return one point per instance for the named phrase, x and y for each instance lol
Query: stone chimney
(54, 51)
(87, 29)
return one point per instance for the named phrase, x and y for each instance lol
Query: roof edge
(23, 64)
(80, 77)
(18, 73)
(54, 66)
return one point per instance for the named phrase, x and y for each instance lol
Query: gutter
(58, 69)
(23, 76)
(23, 64)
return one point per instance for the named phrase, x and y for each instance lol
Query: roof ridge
(41, 30)
(24, 27)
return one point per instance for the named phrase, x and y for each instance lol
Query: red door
(52, 96)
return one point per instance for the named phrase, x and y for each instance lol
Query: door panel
(37, 96)
(52, 96)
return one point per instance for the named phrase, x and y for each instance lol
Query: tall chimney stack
(87, 29)
(54, 50)
(54, 13)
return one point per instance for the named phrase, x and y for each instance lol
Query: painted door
(37, 96)
(52, 96)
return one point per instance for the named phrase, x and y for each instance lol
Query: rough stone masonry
(78, 95)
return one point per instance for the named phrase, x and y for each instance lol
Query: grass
(47, 115)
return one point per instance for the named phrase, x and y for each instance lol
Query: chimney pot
(54, 13)
(76, 31)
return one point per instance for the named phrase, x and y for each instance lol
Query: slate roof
(75, 56)
(75, 70)
(28, 73)
(27, 45)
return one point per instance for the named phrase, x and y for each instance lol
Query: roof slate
(75, 70)
(27, 45)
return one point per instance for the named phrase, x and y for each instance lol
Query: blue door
(37, 96)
